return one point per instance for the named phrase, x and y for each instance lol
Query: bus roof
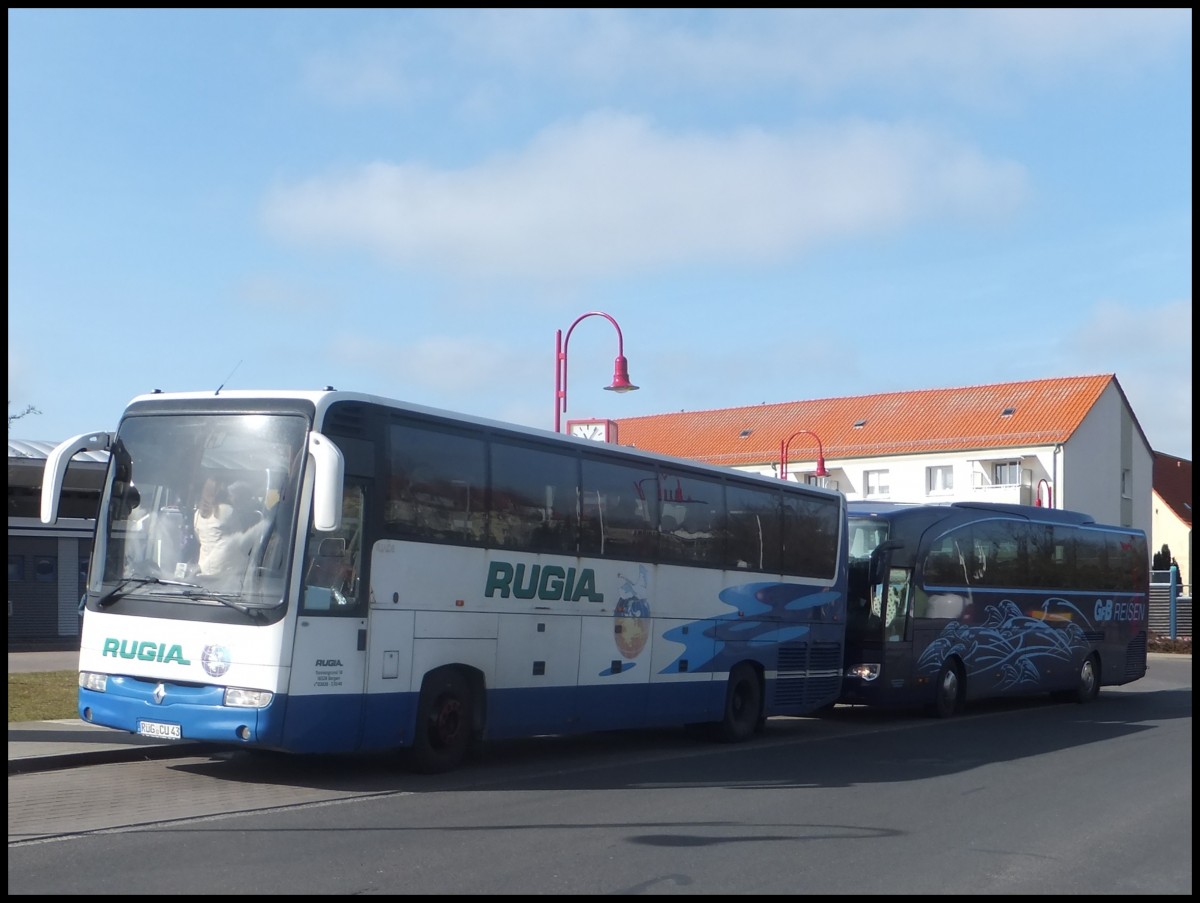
(964, 511)
(321, 400)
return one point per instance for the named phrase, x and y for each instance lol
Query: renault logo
(160, 692)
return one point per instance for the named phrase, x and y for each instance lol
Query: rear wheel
(948, 700)
(1087, 684)
(743, 705)
(445, 722)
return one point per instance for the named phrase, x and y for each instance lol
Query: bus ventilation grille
(346, 419)
(808, 676)
(1135, 657)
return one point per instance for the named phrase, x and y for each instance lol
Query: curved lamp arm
(783, 450)
(620, 380)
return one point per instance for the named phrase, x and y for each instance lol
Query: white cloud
(818, 52)
(610, 193)
(436, 369)
(1150, 351)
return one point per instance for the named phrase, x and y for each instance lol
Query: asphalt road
(1027, 797)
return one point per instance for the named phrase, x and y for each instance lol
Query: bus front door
(329, 659)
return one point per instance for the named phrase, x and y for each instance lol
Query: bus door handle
(362, 639)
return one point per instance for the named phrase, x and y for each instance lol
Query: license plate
(160, 731)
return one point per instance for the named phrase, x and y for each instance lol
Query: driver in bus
(226, 527)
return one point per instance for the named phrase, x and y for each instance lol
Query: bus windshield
(199, 508)
(863, 613)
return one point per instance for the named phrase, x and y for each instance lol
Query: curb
(34, 764)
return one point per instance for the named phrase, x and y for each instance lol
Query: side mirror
(328, 470)
(879, 554)
(56, 468)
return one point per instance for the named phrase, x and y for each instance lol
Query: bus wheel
(444, 722)
(743, 705)
(948, 700)
(1087, 687)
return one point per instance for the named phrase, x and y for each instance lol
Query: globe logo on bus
(216, 660)
(632, 622)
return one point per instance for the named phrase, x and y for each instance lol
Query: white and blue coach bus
(412, 579)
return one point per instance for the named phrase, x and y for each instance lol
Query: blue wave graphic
(1011, 650)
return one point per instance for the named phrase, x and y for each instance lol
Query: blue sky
(774, 205)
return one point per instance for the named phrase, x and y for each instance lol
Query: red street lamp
(1049, 503)
(783, 450)
(620, 381)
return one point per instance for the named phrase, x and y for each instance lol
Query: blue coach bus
(967, 601)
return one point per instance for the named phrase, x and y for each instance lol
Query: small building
(1173, 514)
(47, 564)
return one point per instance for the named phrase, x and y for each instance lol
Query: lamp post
(1049, 503)
(783, 450)
(620, 381)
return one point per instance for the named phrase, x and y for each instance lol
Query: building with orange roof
(1173, 513)
(1064, 442)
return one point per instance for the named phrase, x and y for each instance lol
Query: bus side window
(617, 516)
(331, 576)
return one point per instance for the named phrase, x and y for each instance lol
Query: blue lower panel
(353, 723)
(197, 710)
(685, 703)
(530, 711)
(564, 710)
(388, 720)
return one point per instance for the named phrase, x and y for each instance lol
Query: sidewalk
(70, 742)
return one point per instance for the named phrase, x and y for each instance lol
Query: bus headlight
(867, 671)
(240, 698)
(91, 681)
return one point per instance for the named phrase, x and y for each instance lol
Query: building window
(1007, 473)
(939, 480)
(45, 570)
(16, 568)
(876, 483)
(1126, 484)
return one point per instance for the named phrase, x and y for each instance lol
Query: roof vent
(859, 424)
(1008, 412)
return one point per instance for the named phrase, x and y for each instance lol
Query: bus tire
(743, 705)
(445, 722)
(1087, 684)
(948, 693)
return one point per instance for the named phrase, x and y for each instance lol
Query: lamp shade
(620, 382)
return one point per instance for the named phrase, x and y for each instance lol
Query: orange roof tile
(1044, 412)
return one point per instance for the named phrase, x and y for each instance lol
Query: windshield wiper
(192, 591)
(229, 599)
(117, 591)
